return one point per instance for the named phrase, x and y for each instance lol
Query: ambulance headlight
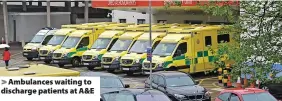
(160, 65)
(137, 61)
(117, 58)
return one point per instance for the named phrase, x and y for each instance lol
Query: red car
(247, 94)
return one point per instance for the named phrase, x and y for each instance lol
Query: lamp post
(150, 38)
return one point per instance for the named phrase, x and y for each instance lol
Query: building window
(122, 20)
(162, 21)
(140, 21)
(208, 41)
(223, 38)
(193, 21)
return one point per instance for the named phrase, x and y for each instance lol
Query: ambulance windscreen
(164, 49)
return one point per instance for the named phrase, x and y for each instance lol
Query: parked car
(135, 95)
(178, 86)
(247, 94)
(108, 82)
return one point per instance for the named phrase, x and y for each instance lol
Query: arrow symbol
(4, 82)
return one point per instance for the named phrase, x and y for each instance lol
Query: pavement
(135, 81)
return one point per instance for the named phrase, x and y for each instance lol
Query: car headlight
(207, 94)
(117, 58)
(160, 65)
(179, 96)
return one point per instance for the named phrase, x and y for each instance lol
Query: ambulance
(45, 52)
(92, 58)
(76, 44)
(111, 60)
(41, 38)
(187, 49)
(132, 61)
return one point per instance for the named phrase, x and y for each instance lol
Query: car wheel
(47, 61)
(75, 62)
(29, 59)
(61, 65)
(90, 68)
(129, 73)
(265, 88)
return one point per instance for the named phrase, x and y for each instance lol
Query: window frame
(221, 38)
(208, 39)
(233, 94)
(163, 21)
(122, 20)
(229, 94)
(178, 46)
(82, 41)
(142, 20)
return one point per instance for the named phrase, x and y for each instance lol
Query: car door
(162, 84)
(223, 97)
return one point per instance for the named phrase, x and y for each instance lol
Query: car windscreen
(121, 45)
(71, 42)
(56, 40)
(37, 39)
(121, 96)
(164, 49)
(110, 82)
(179, 81)
(101, 43)
(139, 46)
(265, 96)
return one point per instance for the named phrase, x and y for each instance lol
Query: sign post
(150, 42)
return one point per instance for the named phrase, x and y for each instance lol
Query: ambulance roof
(64, 31)
(174, 38)
(39, 70)
(51, 32)
(42, 32)
(146, 36)
(79, 33)
(130, 35)
(109, 34)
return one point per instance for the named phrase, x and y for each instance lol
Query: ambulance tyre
(61, 65)
(90, 67)
(110, 71)
(129, 73)
(29, 59)
(47, 61)
(75, 62)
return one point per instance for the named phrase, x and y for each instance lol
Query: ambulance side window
(155, 44)
(181, 49)
(112, 43)
(84, 42)
(208, 40)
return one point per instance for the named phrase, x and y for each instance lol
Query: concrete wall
(171, 17)
(91, 20)
(28, 24)
(2, 33)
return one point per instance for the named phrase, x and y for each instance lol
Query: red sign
(155, 3)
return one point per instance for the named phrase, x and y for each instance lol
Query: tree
(257, 29)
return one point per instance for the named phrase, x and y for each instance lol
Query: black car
(108, 82)
(274, 88)
(178, 86)
(135, 95)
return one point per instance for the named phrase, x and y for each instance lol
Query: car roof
(170, 73)
(97, 74)
(244, 91)
(139, 91)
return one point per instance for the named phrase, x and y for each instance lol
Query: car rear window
(265, 96)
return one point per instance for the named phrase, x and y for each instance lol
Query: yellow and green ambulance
(41, 38)
(45, 52)
(187, 49)
(76, 44)
(132, 61)
(92, 58)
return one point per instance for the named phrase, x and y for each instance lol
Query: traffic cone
(239, 85)
(245, 82)
(229, 83)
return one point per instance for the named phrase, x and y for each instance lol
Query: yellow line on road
(216, 85)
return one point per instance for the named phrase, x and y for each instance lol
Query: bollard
(229, 83)
(23, 43)
(225, 80)
(219, 70)
(220, 79)
(238, 84)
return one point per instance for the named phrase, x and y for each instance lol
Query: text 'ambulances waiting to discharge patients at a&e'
(50, 88)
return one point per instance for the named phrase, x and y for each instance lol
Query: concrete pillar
(5, 14)
(24, 5)
(48, 14)
(86, 8)
(39, 3)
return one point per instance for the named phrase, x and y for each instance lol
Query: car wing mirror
(126, 86)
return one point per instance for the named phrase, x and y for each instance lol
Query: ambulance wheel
(29, 59)
(129, 73)
(61, 65)
(75, 62)
(110, 71)
(47, 62)
(90, 67)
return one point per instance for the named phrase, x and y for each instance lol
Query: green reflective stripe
(82, 49)
(200, 54)
(206, 53)
(166, 64)
(70, 54)
(100, 56)
(195, 60)
(211, 58)
(179, 57)
(142, 60)
(187, 62)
